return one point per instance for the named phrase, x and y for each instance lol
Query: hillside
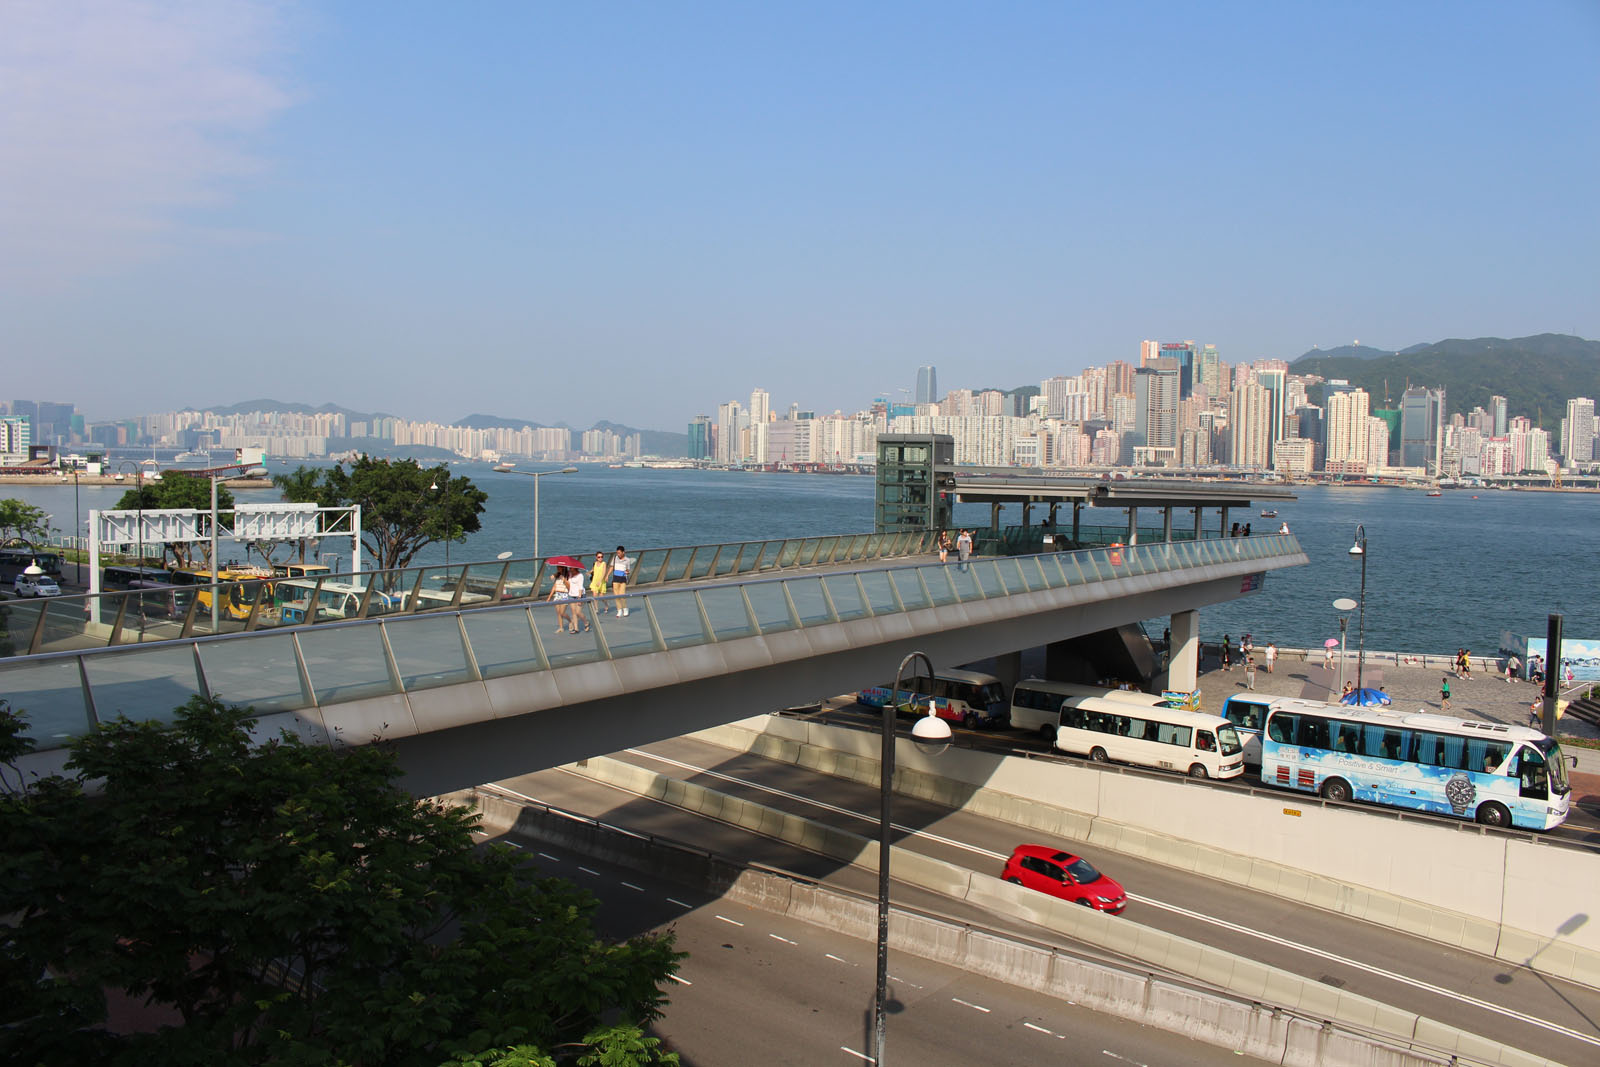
(1537, 375)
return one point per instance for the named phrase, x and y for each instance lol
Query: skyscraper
(700, 437)
(1578, 431)
(1348, 434)
(927, 385)
(1249, 422)
(1421, 428)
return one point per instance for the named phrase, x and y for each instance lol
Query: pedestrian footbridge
(471, 693)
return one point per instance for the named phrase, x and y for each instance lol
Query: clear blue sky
(574, 211)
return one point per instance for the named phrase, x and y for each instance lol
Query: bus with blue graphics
(1498, 775)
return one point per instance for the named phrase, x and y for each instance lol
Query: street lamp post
(1360, 549)
(928, 729)
(1343, 605)
(508, 468)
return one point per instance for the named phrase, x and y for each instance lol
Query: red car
(1061, 874)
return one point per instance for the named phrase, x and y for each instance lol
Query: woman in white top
(575, 601)
(559, 596)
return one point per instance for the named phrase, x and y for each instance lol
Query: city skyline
(410, 210)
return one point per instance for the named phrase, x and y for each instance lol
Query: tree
(404, 506)
(176, 490)
(291, 905)
(25, 521)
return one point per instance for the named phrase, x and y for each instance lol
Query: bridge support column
(1133, 526)
(994, 520)
(1077, 508)
(1183, 663)
(1008, 668)
(1166, 524)
(1222, 527)
(1197, 517)
(1027, 514)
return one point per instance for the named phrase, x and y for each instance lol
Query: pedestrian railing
(67, 693)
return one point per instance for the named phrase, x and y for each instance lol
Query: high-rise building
(1155, 408)
(760, 416)
(1348, 435)
(1497, 410)
(700, 434)
(1183, 354)
(1274, 381)
(16, 434)
(1249, 426)
(927, 385)
(1578, 431)
(1208, 370)
(1421, 428)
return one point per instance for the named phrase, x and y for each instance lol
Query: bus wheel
(1048, 732)
(1198, 771)
(1494, 814)
(1336, 789)
(970, 720)
(1098, 754)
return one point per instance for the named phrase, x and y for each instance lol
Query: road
(1514, 1005)
(763, 988)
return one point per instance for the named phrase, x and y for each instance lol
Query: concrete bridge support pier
(1183, 665)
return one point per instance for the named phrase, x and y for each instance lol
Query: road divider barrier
(1521, 899)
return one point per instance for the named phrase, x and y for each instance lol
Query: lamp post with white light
(1360, 549)
(928, 730)
(1342, 605)
(510, 468)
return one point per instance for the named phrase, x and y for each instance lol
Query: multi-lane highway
(763, 988)
(1514, 1005)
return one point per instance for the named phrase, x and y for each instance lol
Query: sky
(569, 213)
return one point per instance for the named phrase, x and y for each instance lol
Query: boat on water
(186, 457)
(1435, 492)
(1269, 513)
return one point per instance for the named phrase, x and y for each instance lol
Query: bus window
(1283, 728)
(1169, 734)
(1205, 742)
(1313, 732)
(1535, 782)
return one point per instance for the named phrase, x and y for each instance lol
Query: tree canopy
(404, 506)
(286, 903)
(25, 521)
(175, 490)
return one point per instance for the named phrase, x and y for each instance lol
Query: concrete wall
(1521, 900)
(1335, 1026)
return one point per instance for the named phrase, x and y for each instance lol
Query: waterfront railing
(294, 667)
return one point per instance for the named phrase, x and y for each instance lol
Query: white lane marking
(902, 981)
(857, 1055)
(513, 844)
(514, 793)
(731, 922)
(1415, 983)
(679, 903)
(552, 859)
(586, 870)
(913, 832)
(949, 841)
(635, 888)
(1124, 1059)
(1041, 1029)
(831, 956)
(785, 940)
(969, 1004)
(680, 981)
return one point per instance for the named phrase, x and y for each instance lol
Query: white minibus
(967, 697)
(1036, 702)
(1197, 744)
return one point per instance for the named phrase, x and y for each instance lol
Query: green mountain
(1348, 351)
(1537, 375)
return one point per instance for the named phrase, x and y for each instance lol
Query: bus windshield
(1557, 764)
(988, 695)
(1228, 738)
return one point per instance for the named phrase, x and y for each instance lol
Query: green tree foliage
(22, 520)
(404, 507)
(176, 490)
(289, 904)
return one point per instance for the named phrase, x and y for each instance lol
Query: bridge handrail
(68, 693)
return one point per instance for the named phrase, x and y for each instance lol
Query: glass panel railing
(940, 583)
(726, 560)
(700, 561)
(49, 692)
(809, 602)
(880, 592)
(724, 606)
(789, 552)
(909, 587)
(771, 606)
(648, 566)
(676, 565)
(676, 617)
(964, 581)
(563, 647)
(429, 651)
(263, 672)
(826, 547)
(19, 619)
(65, 625)
(145, 684)
(502, 642)
(346, 662)
(848, 603)
(770, 554)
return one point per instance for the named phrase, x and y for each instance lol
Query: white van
(1036, 703)
(1197, 744)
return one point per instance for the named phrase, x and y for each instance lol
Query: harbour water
(1442, 572)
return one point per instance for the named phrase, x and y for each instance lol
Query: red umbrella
(563, 561)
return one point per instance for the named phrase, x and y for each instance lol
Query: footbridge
(468, 692)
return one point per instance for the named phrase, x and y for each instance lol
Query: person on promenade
(1249, 672)
(1271, 655)
(559, 596)
(599, 577)
(621, 567)
(1227, 652)
(1513, 665)
(1283, 527)
(1349, 687)
(1327, 657)
(1246, 530)
(944, 547)
(1536, 670)
(964, 548)
(1247, 645)
(1444, 693)
(575, 600)
(1235, 531)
